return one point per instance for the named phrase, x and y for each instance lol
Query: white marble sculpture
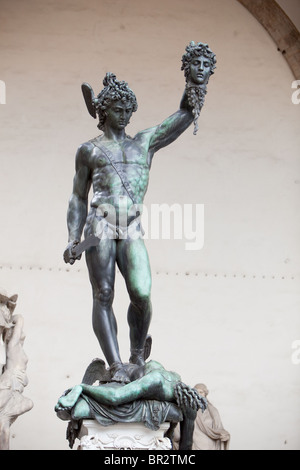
(123, 436)
(13, 363)
(209, 433)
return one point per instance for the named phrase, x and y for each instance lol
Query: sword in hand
(75, 249)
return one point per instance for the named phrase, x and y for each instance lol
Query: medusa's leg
(81, 410)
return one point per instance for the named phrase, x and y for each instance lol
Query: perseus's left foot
(137, 357)
(119, 373)
(135, 371)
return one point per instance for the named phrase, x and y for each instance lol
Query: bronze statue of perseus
(117, 168)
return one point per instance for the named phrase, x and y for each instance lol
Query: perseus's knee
(104, 294)
(141, 298)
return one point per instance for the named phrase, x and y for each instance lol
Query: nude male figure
(117, 167)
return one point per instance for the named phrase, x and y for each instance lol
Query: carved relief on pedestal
(123, 436)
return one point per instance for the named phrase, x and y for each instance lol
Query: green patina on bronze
(117, 168)
(156, 397)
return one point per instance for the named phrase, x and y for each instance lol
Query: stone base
(122, 436)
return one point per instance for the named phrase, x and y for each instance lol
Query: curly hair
(196, 94)
(187, 397)
(114, 90)
(197, 50)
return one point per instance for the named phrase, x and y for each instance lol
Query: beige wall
(226, 315)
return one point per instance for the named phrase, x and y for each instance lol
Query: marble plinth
(122, 436)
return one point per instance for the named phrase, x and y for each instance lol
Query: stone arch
(281, 29)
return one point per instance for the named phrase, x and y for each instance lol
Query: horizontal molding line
(204, 274)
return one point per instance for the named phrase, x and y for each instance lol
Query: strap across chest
(118, 169)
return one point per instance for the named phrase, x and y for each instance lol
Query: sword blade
(90, 241)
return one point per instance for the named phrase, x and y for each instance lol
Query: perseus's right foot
(119, 373)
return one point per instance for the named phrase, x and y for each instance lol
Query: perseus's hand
(69, 254)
